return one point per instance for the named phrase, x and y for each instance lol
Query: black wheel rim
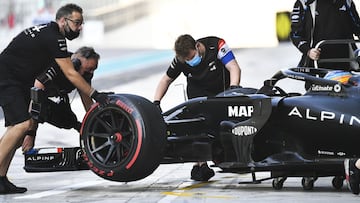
(110, 136)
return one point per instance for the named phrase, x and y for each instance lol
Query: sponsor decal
(244, 130)
(331, 153)
(41, 158)
(341, 153)
(322, 152)
(62, 44)
(326, 88)
(296, 77)
(124, 106)
(324, 116)
(95, 169)
(240, 111)
(31, 31)
(337, 88)
(212, 66)
(223, 49)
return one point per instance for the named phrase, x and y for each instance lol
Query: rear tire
(338, 182)
(125, 139)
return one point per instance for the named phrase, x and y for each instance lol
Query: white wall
(242, 23)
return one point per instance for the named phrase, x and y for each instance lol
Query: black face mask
(70, 34)
(88, 76)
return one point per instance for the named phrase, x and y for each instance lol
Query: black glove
(234, 87)
(101, 97)
(157, 104)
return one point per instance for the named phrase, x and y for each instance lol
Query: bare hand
(314, 54)
(28, 143)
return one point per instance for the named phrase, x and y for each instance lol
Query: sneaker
(6, 187)
(202, 173)
(352, 175)
(195, 173)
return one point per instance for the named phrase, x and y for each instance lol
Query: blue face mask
(194, 61)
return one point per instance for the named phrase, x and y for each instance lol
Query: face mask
(70, 34)
(194, 61)
(87, 76)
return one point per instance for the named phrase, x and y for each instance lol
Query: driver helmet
(357, 52)
(354, 80)
(338, 75)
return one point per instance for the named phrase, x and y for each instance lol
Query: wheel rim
(110, 136)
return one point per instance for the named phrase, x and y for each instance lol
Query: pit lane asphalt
(170, 182)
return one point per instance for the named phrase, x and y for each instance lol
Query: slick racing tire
(123, 140)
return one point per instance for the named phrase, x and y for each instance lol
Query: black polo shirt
(31, 52)
(208, 78)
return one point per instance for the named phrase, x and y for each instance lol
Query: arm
(75, 78)
(227, 57)
(235, 72)
(39, 85)
(86, 101)
(162, 87)
(355, 19)
(298, 28)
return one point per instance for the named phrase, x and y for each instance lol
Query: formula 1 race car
(243, 130)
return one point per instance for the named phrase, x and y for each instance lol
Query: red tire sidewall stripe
(132, 112)
(138, 147)
(87, 115)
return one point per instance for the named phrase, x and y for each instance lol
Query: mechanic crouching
(210, 68)
(50, 100)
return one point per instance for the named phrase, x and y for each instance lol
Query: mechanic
(351, 166)
(55, 84)
(352, 174)
(210, 68)
(27, 55)
(315, 20)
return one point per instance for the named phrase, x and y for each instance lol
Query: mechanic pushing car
(352, 174)
(28, 54)
(210, 68)
(315, 20)
(53, 83)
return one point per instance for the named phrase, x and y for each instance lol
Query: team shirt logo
(223, 49)
(62, 44)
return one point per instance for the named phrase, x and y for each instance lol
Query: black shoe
(202, 173)
(352, 175)
(195, 173)
(6, 187)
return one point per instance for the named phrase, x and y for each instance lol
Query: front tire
(125, 139)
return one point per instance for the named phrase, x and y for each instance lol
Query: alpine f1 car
(243, 130)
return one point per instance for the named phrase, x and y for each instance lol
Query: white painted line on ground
(60, 190)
